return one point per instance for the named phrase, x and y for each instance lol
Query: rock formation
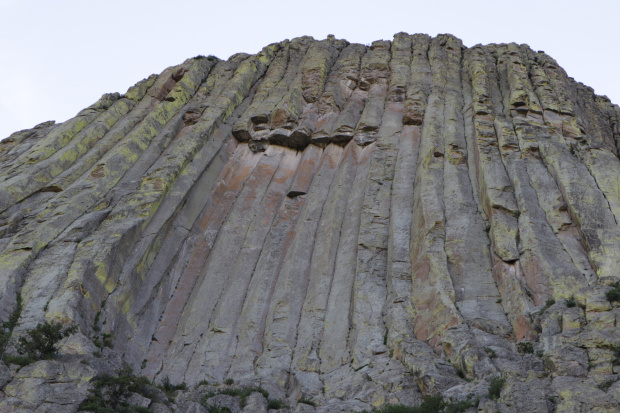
(341, 224)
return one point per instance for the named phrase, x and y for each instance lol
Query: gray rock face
(330, 227)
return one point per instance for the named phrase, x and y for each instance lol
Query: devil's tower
(337, 225)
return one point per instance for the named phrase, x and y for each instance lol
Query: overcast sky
(59, 56)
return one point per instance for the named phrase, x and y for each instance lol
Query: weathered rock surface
(341, 224)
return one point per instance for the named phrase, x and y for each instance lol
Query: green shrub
(306, 401)
(430, 404)
(241, 392)
(525, 347)
(110, 393)
(548, 304)
(399, 408)
(276, 404)
(218, 409)
(490, 352)
(206, 396)
(40, 342)
(228, 382)
(495, 387)
(570, 303)
(168, 388)
(614, 293)
(460, 406)
(105, 340)
(18, 360)
(6, 327)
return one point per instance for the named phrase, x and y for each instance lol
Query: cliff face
(334, 222)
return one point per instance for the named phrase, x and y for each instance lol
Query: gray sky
(59, 56)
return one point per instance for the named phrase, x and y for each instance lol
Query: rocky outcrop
(338, 224)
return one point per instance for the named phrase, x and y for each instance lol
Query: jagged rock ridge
(348, 224)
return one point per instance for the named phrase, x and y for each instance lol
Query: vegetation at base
(104, 341)
(548, 304)
(525, 347)
(169, 388)
(490, 352)
(218, 409)
(276, 404)
(307, 401)
(460, 406)
(110, 394)
(495, 387)
(18, 360)
(570, 303)
(6, 327)
(616, 360)
(241, 392)
(430, 404)
(38, 343)
(101, 340)
(614, 293)
(228, 382)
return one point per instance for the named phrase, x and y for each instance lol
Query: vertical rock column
(322, 268)
(290, 290)
(433, 293)
(467, 245)
(370, 286)
(495, 191)
(339, 86)
(253, 318)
